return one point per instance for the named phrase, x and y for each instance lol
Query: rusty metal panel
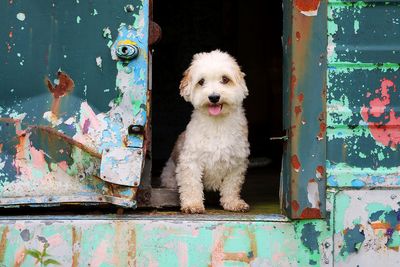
(362, 96)
(367, 228)
(160, 241)
(364, 31)
(73, 101)
(305, 43)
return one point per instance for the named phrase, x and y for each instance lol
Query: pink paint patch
(19, 226)
(85, 127)
(100, 255)
(183, 254)
(214, 109)
(38, 158)
(63, 165)
(55, 240)
(383, 121)
(87, 113)
(217, 254)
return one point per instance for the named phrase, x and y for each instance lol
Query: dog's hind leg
(168, 174)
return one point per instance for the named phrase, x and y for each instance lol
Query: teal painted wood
(66, 102)
(305, 42)
(163, 241)
(362, 98)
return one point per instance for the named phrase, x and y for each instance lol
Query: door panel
(73, 101)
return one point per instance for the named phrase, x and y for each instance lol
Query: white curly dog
(212, 153)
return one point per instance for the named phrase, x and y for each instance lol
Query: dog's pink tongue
(214, 110)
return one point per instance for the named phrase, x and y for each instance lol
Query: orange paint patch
(296, 163)
(378, 225)
(319, 172)
(310, 213)
(307, 5)
(322, 131)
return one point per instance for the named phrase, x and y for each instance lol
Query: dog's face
(214, 83)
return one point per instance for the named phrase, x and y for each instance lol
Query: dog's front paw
(193, 208)
(238, 205)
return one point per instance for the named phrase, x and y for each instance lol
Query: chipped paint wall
(164, 242)
(362, 96)
(363, 131)
(74, 101)
(360, 136)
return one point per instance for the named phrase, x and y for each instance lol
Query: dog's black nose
(214, 98)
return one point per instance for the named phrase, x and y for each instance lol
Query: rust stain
(322, 131)
(64, 86)
(3, 243)
(218, 255)
(76, 242)
(295, 205)
(19, 257)
(132, 247)
(310, 213)
(238, 256)
(319, 172)
(298, 110)
(1, 148)
(298, 36)
(293, 82)
(296, 163)
(300, 97)
(253, 245)
(52, 132)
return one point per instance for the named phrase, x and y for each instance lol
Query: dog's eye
(225, 80)
(201, 82)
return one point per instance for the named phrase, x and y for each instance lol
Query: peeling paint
(21, 16)
(62, 148)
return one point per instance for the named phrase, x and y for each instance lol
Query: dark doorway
(251, 32)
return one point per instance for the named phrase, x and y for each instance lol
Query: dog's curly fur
(212, 153)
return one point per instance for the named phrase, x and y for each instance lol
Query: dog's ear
(240, 78)
(184, 86)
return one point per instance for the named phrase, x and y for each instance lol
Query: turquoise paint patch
(342, 203)
(357, 183)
